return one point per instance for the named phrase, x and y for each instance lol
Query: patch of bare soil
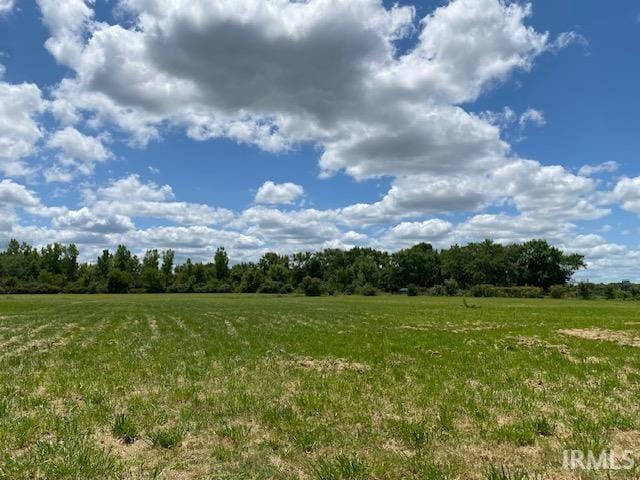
(155, 333)
(328, 365)
(41, 345)
(537, 342)
(600, 334)
(124, 451)
(231, 330)
(626, 440)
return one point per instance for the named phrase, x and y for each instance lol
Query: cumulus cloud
(77, 153)
(627, 192)
(275, 73)
(86, 220)
(278, 193)
(12, 193)
(133, 198)
(20, 108)
(435, 231)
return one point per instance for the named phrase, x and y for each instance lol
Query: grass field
(260, 387)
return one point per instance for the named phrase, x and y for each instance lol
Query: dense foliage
(477, 268)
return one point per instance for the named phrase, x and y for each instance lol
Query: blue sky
(275, 125)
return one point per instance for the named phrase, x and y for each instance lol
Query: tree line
(521, 269)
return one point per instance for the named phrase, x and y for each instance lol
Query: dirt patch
(155, 333)
(41, 345)
(620, 337)
(537, 342)
(626, 440)
(328, 365)
(231, 330)
(421, 328)
(126, 452)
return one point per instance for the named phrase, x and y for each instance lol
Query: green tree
(221, 264)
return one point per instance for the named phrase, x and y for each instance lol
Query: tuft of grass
(521, 434)
(543, 426)
(167, 438)
(235, 433)
(4, 407)
(124, 429)
(342, 467)
(503, 473)
(305, 439)
(412, 433)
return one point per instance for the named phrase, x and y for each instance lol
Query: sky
(291, 125)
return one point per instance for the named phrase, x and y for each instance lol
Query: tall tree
(221, 264)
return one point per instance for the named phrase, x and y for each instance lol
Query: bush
(585, 290)
(558, 291)
(438, 291)
(118, 282)
(451, 286)
(312, 287)
(524, 292)
(369, 290)
(610, 292)
(484, 291)
(412, 290)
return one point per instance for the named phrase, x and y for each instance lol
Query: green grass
(267, 387)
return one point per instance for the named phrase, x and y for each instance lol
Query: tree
(104, 264)
(167, 266)
(541, 265)
(312, 287)
(118, 281)
(419, 265)
(221, 263)
(70, 262)
(151, 276)
(252, 280)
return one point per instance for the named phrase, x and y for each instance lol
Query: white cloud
(627, 192)
(605, 167)
(20, 109)
(279, 193)
(276, 73)
(565, 39)
(12, 193)
(130, 197)
(435, 231)
(6, 6)
(531, 115)
(78, 152)
(85, 220)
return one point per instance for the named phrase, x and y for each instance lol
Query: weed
(167, 438)
(124, 429)
(342, 467)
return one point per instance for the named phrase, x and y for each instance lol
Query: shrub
(557, 291)
(118, 282)
(369, 290)
(312, 287)
(585, 290)
(412, 290)
(438, 291)
(484, 291)
(451, 286)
